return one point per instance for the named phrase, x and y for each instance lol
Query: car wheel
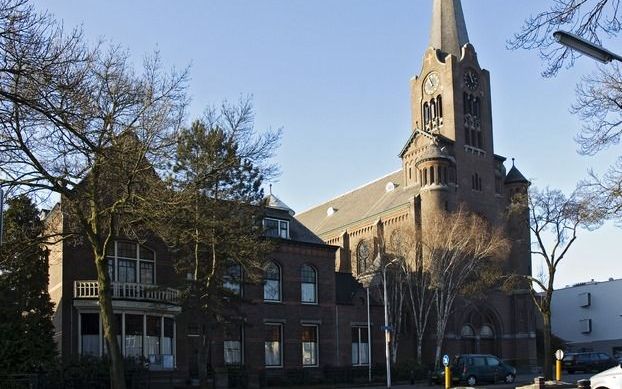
(509, 378)
(471, 381)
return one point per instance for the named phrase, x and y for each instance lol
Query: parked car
(608, 379)
(587, 362)
(475, 368)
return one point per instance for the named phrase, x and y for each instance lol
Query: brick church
(447, 161)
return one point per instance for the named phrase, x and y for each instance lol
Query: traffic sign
(559, 355)
(386, 328)
(445, 360)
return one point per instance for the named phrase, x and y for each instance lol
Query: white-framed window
(133, 335)
(276, 228)
(360, 346)
(273, 345)
(141, 335)
(232, 279)
(89, 334)
(130, 262)
(272, 282)
(233, 345)
(310, 345)
(308, 284)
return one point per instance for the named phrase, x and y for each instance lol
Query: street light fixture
(585, 47)
(368, 279)
(1, 215)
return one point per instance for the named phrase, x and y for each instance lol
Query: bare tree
(554, 221)
(599, 95)
(405, 245)
(81, 123)
(456, 248)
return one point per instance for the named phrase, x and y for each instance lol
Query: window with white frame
(276, 228)
(273, 346)
(272, 282)
(133, 336)
(233, 347)
(152, 338)
(130, 262)
(232, 279)
(309, 345)
(89, 334)
(308, 286)
(360, 346)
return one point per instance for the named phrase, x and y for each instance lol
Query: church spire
(448, 32)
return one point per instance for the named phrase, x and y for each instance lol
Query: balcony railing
(127, 291)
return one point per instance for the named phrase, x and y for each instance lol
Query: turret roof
(514, 176)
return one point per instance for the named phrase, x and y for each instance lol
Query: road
(521, 380)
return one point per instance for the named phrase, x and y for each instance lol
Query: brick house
(302, 316)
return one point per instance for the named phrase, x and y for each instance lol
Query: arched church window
(477, 107)
(363, 255)
(467, 331)
(480, 141)
(431, 175)
(439, 106)
(433, 113)
(425, 177)
(426, 113)
(486, 332)
(465, 103)
(467, 136)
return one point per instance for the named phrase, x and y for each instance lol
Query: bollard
(558, 370)
(583, 384)
(447, 377)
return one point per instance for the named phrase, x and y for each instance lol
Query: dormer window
(276, 228)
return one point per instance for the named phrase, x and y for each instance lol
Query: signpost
(559, 355)
(447, 371)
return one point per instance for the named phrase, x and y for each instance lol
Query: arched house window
(308, 285)
(130, 262)
(272, 282)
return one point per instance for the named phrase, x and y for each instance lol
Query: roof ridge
(349, 192)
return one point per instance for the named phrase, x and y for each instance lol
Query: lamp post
(387, 331)
(1, 215)
(585, 47)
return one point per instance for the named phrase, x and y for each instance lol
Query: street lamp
(368, 279)
(585, 47)
(1, 215)
(387, 330)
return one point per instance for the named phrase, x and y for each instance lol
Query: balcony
(128, 291)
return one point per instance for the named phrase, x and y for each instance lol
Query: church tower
(448, 162)
(451, 107)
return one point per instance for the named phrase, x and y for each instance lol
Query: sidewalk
(521, 379)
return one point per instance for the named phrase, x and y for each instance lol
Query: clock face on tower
(430, 85)
(471, 79)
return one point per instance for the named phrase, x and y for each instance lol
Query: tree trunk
(546, 337)
(202, 361)
(419, 349)
(109, 325)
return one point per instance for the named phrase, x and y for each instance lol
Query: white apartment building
(588, 316)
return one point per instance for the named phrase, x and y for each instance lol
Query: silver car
(608, 379)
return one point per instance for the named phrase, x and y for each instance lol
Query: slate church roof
(367, 202)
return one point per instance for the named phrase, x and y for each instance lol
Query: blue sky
(334, 76)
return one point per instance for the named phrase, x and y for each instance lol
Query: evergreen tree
(26, 329)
